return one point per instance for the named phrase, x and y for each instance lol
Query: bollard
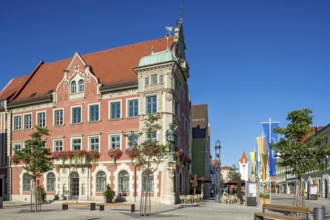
(93, 205)
(1, 202)
(319, 213)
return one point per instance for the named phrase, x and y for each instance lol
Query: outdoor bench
(117, 204)
(65, 205)
(281, 208)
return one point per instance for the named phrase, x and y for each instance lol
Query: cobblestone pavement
(205, 210)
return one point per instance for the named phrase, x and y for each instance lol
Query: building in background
(90, 102)
(319, 178)
(201, 155)
(244, 167)
(224, 173)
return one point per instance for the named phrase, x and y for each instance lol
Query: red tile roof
(13, 87)
(112, 67)
(215, 162)
(225, 168)
(244, 159)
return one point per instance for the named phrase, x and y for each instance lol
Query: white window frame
(154, 79)
(71, 142)
(37, 118)
(14, 146)
(89, 143)
(25, 184)
(76, 87)
(161, 79)
(54, 145)
(146, 103)
(71, 115)
(98, 185)
(19, 125)
(127, 107)
(54, 116)
(121, 109)
(88, 112)
(147, 81)
(126, 138)
(83, 86)
(24, 124)
(48, 183)
(110, 142)
(146, 137)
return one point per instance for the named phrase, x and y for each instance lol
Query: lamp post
(217, 149)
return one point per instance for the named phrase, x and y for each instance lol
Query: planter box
(263, 201)
(73, 162)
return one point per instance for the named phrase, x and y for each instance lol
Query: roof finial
(181, 14)
(168, 34)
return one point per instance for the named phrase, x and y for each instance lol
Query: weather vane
(169, 30)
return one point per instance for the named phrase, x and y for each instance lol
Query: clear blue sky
(250, 60)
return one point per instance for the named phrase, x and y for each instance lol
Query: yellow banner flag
(261, 142)
(253, 157)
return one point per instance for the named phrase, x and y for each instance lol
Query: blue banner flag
(271, 137)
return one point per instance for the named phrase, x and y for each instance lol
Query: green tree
(298, 149)
(149, 154)
(233, 173)
(37, 158)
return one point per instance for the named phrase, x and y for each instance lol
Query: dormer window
(73, 87)
(81, 85)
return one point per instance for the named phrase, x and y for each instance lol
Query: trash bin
(319, 213)
(1, 202)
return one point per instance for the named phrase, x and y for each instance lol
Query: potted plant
(109, 194)
(264, 198)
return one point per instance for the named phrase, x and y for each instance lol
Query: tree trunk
(35, 196)
(298, 193)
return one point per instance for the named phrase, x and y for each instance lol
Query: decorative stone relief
(167, 67)
(33, 107)
(120, 94)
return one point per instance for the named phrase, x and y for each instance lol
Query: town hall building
(90, 102)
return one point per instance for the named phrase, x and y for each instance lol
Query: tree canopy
(36, 157)
(298, 149)
(233, 173)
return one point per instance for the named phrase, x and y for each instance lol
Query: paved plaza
(206, 210)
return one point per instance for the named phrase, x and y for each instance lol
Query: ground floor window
(123, 181)
(26, 183)
(51, 182)
(100, 181)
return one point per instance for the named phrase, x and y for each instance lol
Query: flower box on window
(78, 157)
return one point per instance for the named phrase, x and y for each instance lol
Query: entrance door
(74, 185)
(326, 188)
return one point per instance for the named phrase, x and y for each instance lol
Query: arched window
(146, 182)
(81, 85)
(123, 181)
(73, 87)
(26, 183)
(51, 182)
(100, 181)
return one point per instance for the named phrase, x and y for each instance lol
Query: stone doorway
(74, 185)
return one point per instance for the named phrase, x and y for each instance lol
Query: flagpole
(269, 141)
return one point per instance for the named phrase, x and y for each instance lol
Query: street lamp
(217, 149)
